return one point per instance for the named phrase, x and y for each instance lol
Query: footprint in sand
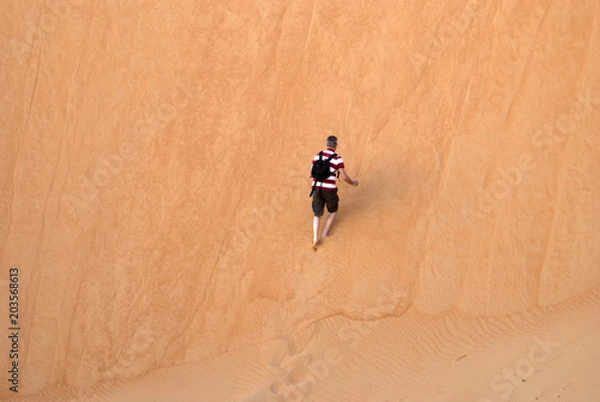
(293, 385)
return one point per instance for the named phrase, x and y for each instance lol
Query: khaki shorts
(322, 198)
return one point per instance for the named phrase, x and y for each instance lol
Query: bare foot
(315, 243)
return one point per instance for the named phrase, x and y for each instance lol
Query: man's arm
(347, 178)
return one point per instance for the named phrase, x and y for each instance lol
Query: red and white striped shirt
(334, 164)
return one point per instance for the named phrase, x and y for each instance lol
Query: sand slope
(154, 199)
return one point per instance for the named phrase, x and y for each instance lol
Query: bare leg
(316, 223)
(328, 224)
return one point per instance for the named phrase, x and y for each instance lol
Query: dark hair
(331, 141)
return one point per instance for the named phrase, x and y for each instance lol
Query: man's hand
(347, 178)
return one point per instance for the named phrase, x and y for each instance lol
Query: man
(325, 192)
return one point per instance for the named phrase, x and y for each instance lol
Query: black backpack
(320, 170)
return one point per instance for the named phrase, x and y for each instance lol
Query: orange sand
(154, 177)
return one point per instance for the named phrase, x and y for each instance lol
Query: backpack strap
(333, 156)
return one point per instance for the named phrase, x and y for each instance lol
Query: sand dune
(156, 226)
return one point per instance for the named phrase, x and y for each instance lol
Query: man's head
(331, 141)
